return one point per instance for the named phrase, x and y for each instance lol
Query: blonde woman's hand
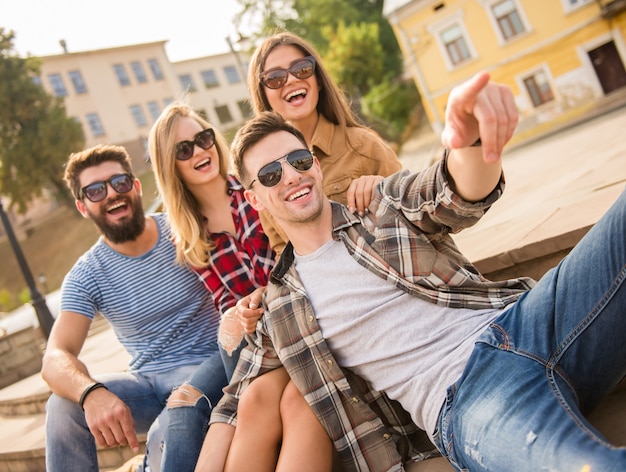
(360, 192)
(250, 309)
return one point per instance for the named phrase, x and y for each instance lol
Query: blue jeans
(545, 363)
(186, 425)
(230, 361)
(69, 443)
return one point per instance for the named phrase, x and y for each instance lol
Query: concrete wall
(20, 355)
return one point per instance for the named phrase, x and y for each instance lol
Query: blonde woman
(216, 233)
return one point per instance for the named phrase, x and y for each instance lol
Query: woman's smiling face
(297, 99)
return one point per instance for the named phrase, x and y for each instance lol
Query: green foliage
(24, 295)
(6, 300)
(36, 135)
(356, 59)
(308, 18)
(389, 106)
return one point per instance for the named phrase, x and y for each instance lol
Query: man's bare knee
(185, 395)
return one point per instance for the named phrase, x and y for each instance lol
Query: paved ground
(557, 186)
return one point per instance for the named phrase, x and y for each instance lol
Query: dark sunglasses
(97, 191)
(270, 174)
(300, 69)
(205, 139)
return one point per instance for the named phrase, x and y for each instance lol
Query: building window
(223, 114)
(453, 40)
(244, 108)
(209, 78)
(138, 115)
(94, 124)
(167, 101)
(78, 82)
(186, 82)
(122, 75)
(455, 44)
(508, 19)
(232, 74)
(154, 110)
(571, 5)
(538, 88)
(140, 75)
(58, 87)
(156, 69)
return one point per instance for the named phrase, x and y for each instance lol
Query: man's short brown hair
(79, 161)
(252, 132)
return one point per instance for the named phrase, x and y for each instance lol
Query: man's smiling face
(119, 217)
(298, 197)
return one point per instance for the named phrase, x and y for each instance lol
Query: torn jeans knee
(188, 411)
(186, 395)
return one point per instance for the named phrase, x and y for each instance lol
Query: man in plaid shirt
(370, 313)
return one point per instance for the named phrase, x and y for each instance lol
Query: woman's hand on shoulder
(359, 194)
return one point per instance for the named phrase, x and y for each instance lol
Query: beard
(127, 229)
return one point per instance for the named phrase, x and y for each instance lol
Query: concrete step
(101, 353)
(22, 441)
(22, 408)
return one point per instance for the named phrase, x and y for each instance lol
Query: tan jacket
(344, 155)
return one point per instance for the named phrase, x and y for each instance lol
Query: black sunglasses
(300, 69)
(270, 174)
(205, 139)
(97, 191)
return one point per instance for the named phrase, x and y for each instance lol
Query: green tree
(365, 54)
(309, 19)
(392, 107)
(36, 135)
(356, 58)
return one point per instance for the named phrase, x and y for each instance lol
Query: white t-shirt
(410, 348)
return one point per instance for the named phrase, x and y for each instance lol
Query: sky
(193, 28)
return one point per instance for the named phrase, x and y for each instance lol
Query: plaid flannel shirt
(405, 239)
(239, 264)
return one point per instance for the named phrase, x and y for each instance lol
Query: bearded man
(159, 310)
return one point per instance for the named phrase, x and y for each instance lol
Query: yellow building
(117, 93)
(558, 56)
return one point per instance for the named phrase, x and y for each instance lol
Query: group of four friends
(300, 303)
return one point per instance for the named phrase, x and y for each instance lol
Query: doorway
(608, 66)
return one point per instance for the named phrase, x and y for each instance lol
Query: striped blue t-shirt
(161, 312)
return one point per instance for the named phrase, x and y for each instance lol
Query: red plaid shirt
(239, 264)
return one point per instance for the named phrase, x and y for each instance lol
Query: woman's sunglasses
(205, 139)
(97, 191)
(300, 69)
(270, 174)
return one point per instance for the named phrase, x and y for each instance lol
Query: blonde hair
(332, 103)
(180, 205)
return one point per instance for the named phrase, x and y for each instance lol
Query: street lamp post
(235, 52)
(38, 301)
